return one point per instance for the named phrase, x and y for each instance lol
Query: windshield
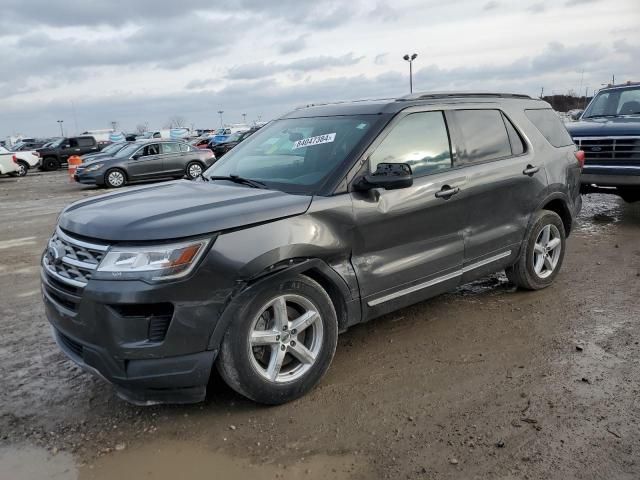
(3, 150)
(56, 143)
(296, 154)
(610, 103)
(114, 147)
(129, 150)
(233, 138)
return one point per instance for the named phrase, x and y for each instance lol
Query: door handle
(447, 192)
(530, 170)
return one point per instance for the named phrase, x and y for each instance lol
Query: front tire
(50, 164)
(115, 178)
(542, 253)
(280, 344)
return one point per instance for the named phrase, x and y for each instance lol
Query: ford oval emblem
(55, 252)
(596, 149)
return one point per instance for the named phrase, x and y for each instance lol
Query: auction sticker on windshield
(307, 142)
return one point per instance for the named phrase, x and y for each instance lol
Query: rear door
(86, 145)
(146, 163)
(173, 158)
(505, 182)
(409, 243)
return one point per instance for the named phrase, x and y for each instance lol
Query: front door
(145, 163)
(409, 242)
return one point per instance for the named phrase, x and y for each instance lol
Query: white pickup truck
(24, 160)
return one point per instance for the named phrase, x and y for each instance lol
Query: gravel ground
(485, 382)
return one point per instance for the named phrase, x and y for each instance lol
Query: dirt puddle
(171, 460)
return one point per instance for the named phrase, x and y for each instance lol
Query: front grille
(622, 151)
(71, 345)
(71, 261)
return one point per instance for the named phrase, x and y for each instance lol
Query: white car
(24, 160)
(8, 162)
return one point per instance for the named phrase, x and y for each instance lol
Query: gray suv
(330, 216)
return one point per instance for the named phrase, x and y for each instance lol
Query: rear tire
(50, 164)
(24, 168)
(194, 169)
(115, 178)
(542, 253)
(280, 344)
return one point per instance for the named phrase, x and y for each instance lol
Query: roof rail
(439, 95)
(344, 101)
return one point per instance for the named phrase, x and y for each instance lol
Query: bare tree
(141, 128)
(176, 121)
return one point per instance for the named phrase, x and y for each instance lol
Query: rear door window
(186, 148)
(170, 148)
(550, 126)
(484, 136)
(419, 140)
(85, 142)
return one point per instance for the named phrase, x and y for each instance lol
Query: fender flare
(278, 272)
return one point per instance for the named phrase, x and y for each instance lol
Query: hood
(94, 156)
(605, 127)
(177, 209)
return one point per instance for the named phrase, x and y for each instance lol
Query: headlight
(161, 262)
(93, 168)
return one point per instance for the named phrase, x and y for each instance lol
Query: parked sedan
(145, 160)
(221, 148)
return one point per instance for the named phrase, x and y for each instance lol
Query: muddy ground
(486, 382)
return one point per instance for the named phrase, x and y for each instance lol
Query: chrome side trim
(604, 137)
(435, 281)
(80, 243)
(615, 167)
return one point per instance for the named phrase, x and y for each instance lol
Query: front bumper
(93, 178)
(611, 175)
(114, 329)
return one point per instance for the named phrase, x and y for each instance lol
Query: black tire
(629, 194)
(24, 168)
(191, 167)
(111, 175)
(237, 361)
(523, 273)
(50, 164)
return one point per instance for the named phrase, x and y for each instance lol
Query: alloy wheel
(194, 170)
(115, 178)
(285, 338)
(546, 251)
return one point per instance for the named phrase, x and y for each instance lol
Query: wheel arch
(347, 309)
(557, 202)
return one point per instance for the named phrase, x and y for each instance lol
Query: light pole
(60, 123)
(244, 118)
(220, 112)
(410, 59)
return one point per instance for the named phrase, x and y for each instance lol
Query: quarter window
(185, 148)
(550, 126)
(85, 142)
(517, 144)
(484, 136)
(419, 140)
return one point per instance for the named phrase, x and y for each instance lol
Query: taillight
(15, 159)
(36, 154)
(580, 157)
(211, 152)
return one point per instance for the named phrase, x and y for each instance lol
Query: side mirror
(576, 114)
(390, 176)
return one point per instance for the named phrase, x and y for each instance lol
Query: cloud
(571, 3)
(383, 11)
(381, 58)
(251, 71)
(492, 5)
(538, 7)
(293, 45)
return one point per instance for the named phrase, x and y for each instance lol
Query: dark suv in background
(56, 154)
(609, 134)
(330, 216)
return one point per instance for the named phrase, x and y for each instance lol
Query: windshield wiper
(240, 180)
(601, 116)
(203, 177)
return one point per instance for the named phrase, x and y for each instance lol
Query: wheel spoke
(548, 263)
(275, 362)
(304, 321)
(302, 353)
(546, 234)
(539, 263)
(264, 337)
(553, 243)
(281, 319)
(538, 248)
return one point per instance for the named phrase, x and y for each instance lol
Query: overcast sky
(145, 61)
